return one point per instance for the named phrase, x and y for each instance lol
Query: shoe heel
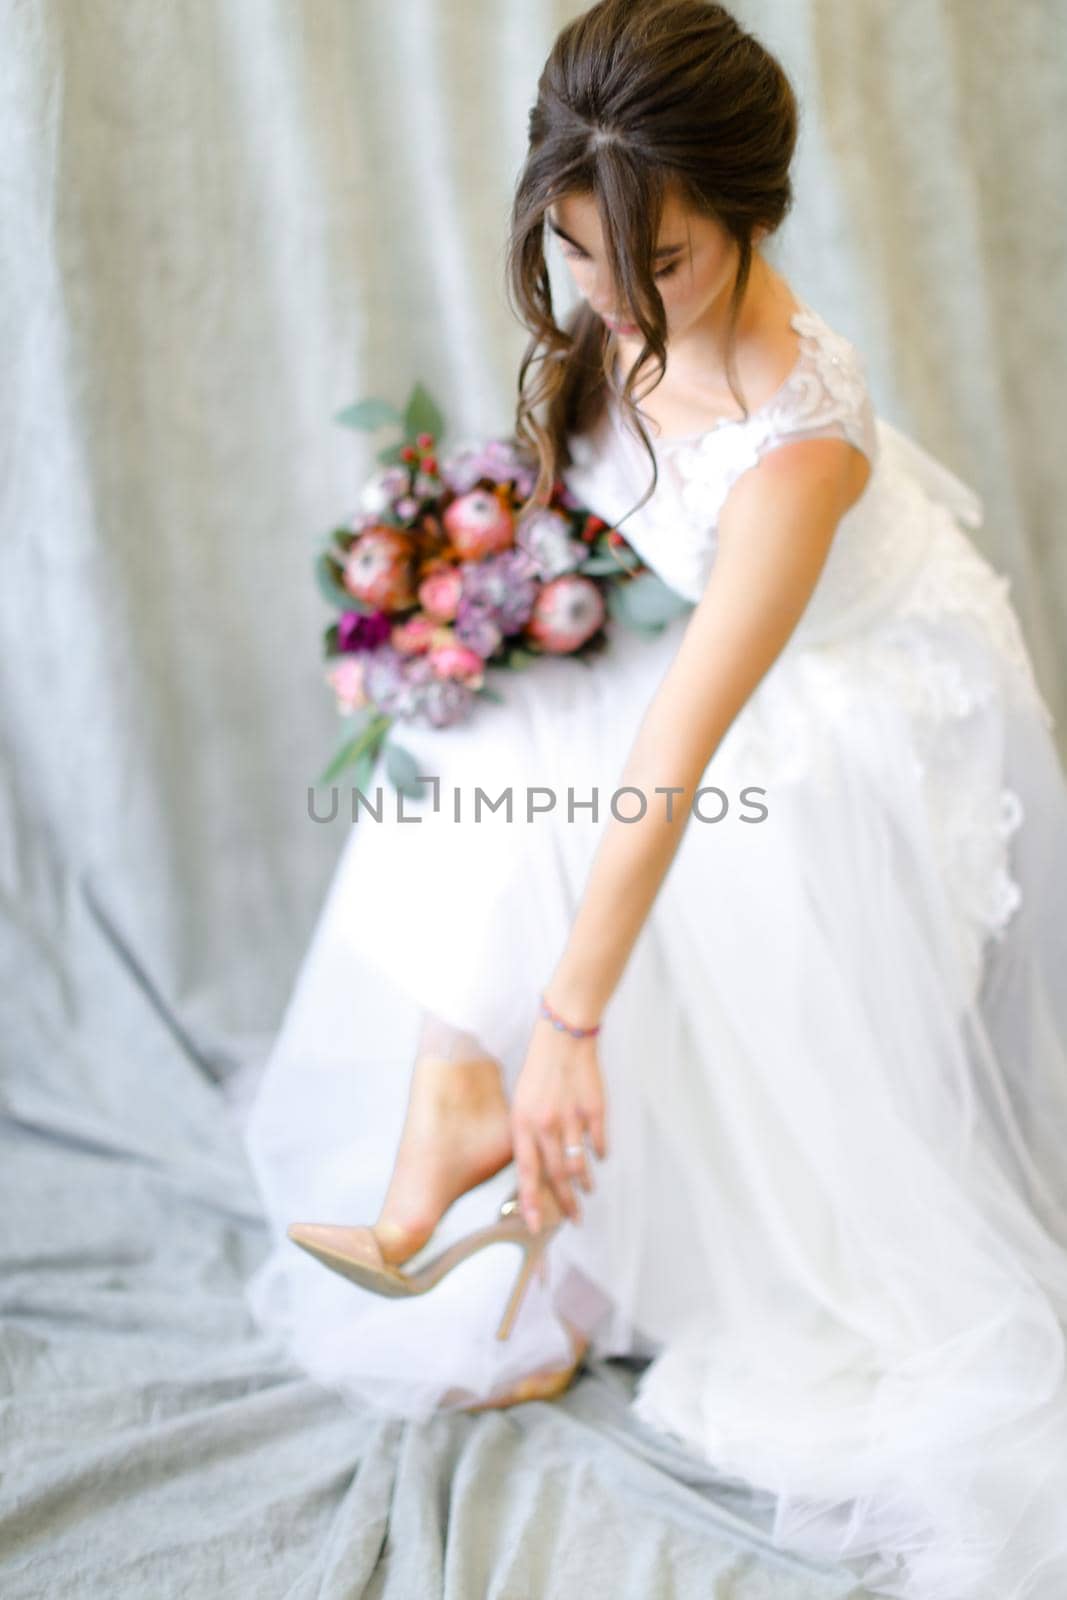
(533, 1255)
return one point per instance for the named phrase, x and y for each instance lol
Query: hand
(558, 1100)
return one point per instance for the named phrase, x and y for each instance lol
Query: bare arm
(774, 536)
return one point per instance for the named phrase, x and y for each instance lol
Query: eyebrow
(664, 250)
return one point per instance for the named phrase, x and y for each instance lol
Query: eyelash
(664, 272)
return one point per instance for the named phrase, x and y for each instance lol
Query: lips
(625, 328)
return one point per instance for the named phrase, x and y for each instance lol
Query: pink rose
(345, 678)
(456, 661)
(566, 613)
(413, 636)
(440, 591)
(479, 523)
(378, 568)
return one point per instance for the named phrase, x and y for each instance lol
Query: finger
(595, 1119)
(591, 1107)
(551, 1148)
(528, 1163)
(598, 1134)
(574, 1149)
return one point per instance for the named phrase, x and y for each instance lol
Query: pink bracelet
(558, 1022)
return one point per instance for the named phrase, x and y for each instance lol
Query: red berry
(425, 441)
(615, 537)
(429, 465)
(409, 453)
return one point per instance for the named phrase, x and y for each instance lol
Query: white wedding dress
(834, 1209)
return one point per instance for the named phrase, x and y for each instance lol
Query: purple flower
(476, 626)
(388, 683)
(504, 585)
(496, 459)
(357, 630)
(545, 536)
(446, 702)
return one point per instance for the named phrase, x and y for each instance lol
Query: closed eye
(580, 255)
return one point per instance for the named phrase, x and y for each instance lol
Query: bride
(754, 1041)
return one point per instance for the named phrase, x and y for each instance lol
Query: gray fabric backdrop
(221, 221)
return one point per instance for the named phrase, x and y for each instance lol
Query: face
(695, 267)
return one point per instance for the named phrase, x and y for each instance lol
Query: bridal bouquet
(438, 578)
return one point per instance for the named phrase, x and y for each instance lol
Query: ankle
(472, 1084)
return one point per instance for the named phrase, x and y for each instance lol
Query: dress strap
(826, 394)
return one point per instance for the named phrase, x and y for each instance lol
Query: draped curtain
(224, 220)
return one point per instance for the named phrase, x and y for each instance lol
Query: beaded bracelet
(558, 1022)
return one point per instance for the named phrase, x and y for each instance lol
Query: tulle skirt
(834, 1211)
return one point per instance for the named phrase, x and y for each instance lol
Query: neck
(702, 348)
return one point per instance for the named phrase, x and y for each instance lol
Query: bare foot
(457, 1133)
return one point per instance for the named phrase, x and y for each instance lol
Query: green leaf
(348, 752)
(391, 457)
(422, 414)
(373, 727)
(363, 775)
(485, 693)
(646, 602)
(368, 414)
(402, 769)
(599, 566)
(520, 658)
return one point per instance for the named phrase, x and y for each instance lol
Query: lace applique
(957, 580)
(930, 659)
(825, 393)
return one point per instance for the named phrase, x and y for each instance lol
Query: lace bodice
(901, 578)
(824, 394)
(910, 509)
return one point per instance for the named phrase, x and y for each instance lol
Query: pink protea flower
(567, 612)
(440, 591)
(413, 636)
(479, 523)
(346, 680)
(456, 661)
(378, 568)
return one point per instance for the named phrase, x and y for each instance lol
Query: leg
(457, 1133)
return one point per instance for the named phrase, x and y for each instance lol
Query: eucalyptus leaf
(485, 693)
(368, 414)
(599, 566)
(647, 602)
(402, 769)
(422, 414)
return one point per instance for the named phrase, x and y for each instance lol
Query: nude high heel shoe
(355, 1254)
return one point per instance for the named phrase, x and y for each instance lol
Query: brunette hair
(637, 95)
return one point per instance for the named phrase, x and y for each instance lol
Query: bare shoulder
(800, 486)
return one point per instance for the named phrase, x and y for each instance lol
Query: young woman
(771, 1082)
